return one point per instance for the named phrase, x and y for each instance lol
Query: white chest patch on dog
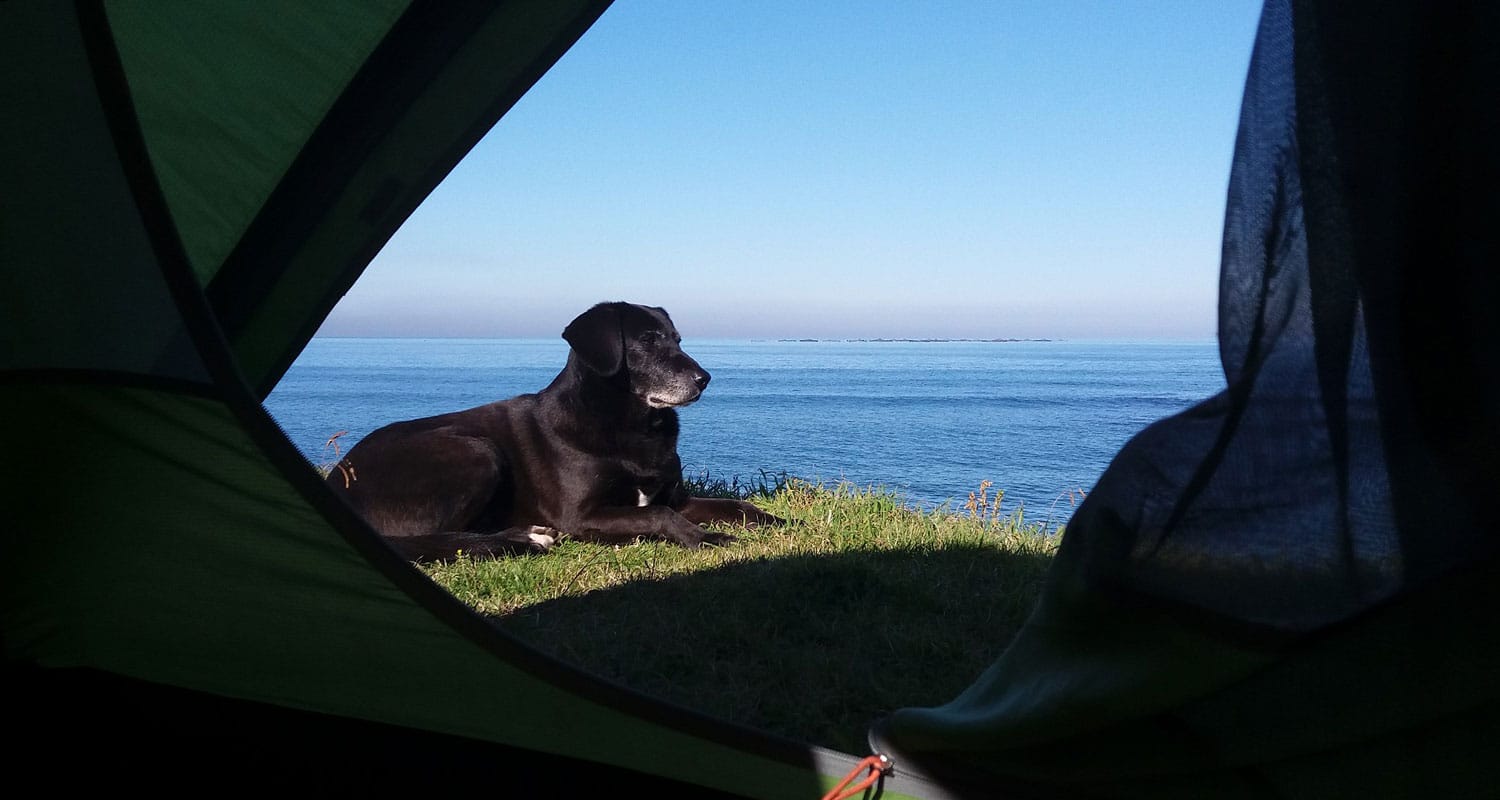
(641, 499)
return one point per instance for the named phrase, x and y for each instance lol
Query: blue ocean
(1040, 420)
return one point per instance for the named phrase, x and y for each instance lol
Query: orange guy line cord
(876, 764)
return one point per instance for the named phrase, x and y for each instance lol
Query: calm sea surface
(928, 420)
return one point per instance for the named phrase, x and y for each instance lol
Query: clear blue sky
(844, 169)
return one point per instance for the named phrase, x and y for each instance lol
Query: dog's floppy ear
(596, 337)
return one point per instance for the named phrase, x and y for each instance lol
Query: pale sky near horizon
(844, 170)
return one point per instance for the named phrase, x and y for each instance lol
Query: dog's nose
(701, 380)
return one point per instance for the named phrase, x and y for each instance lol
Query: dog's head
(641, 342)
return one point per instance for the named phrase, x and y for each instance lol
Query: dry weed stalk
(981, 507)
(346, 470)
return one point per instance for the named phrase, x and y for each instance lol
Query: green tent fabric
(188, 189)
(1277, 593)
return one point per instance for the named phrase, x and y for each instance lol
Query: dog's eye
(650, 337)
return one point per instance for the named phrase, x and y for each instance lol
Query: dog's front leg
(617, 525)
(708, 510)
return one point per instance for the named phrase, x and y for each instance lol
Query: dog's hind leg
(520, 540)
(533, 537)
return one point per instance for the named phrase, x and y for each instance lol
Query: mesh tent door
(1278, 592)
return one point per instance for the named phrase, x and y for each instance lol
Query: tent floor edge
(95, 727)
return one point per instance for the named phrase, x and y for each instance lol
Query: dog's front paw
(717, 539)
(755, 518)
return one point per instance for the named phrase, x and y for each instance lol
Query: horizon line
(810, 339)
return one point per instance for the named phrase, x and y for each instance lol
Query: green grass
(809, 632)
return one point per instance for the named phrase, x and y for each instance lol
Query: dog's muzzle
(662, 401)
(682, 394)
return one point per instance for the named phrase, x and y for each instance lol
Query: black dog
(593, 455)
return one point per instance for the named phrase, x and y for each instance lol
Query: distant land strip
(927, 341)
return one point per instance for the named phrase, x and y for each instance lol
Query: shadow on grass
(812, 648)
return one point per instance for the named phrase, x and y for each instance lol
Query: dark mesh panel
(1274, 503)
(1282, 591)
